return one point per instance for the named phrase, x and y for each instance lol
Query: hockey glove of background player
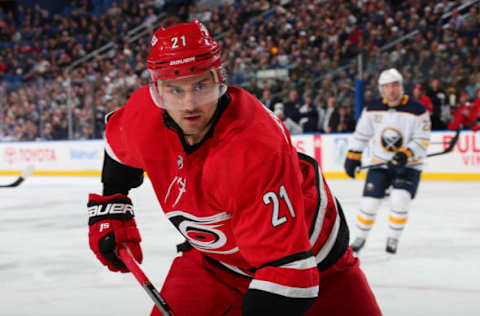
(111, 223)
(352, 162)
(400, 158)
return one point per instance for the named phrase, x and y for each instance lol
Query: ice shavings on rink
(47, 269)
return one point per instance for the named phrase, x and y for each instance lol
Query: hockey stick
(450, 147)
(25, 174)
(133, 266)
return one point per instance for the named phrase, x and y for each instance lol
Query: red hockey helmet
(181, 50)
(180, 54)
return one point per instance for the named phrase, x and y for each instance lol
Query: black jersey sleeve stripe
(228, 268)
(285, 260)
(119, 178)
(260, 303)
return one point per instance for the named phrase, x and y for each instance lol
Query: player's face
(392, 92)
(416, 93)
(192, 101)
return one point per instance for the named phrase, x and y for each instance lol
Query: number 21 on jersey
(274, 199)
(175, 43)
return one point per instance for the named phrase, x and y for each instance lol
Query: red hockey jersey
(243, 197)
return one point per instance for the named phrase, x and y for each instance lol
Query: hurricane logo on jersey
(392, 139)
(203, 233)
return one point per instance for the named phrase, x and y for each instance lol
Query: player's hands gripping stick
(111, 221)
(352, 163)
(400, 158)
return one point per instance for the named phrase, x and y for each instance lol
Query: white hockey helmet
(389, 76)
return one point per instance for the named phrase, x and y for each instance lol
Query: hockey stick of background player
(450, 147)
(133, 266)
(25, 174)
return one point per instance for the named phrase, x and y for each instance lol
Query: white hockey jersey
(388, 129)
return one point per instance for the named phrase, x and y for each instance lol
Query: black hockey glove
(352, 162)
(400, 158)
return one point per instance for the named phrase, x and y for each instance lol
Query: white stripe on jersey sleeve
(327, 247)
(111, 154)
(283, 290)
(321, 210)
(303, 264)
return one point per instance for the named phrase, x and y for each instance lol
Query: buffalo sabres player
(397, 127)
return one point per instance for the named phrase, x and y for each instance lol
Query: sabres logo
(391, 139)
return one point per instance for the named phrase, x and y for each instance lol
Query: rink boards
(84, 158)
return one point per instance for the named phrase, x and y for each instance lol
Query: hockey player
(265, 235)
(398, 129)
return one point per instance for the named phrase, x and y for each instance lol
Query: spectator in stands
(308, 115)
(471, 24)
(439, 102)
(466, 115)
(318, 102)
(331, 106)
(292, 106)
(419, 94)
(59, 127)
(457, 20)
(341, 120)
(291, 125)
(471, 86)
(267, 99)
(46, 134)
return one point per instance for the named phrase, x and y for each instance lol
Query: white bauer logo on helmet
(389, 76)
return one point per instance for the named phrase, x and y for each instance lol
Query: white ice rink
(47, 269)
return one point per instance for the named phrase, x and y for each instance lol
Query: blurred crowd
(299, 57)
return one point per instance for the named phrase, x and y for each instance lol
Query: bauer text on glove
(111, 223)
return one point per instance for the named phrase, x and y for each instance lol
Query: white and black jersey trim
(299, 261)
(287, 291)
(338, 240)
(340, 244)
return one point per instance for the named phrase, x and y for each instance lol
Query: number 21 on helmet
(185, 67)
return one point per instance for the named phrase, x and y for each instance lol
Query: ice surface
(47, 269)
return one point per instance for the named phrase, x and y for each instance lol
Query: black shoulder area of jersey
(408, 105)
(377, 105)
(412, 106)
